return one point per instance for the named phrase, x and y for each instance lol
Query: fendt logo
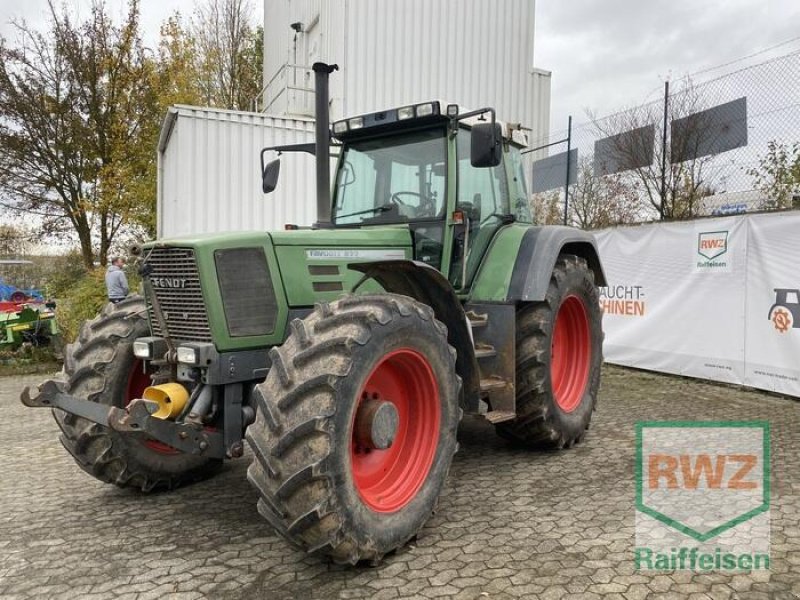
(711, 244)
(785, 312)
(702, 495)
(168, 282)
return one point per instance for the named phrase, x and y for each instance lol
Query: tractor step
(491, 384)
(476, 319)
(484, 351)
(498, 416)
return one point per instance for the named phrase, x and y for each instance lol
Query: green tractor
(345, 354)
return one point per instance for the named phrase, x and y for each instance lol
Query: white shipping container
(209, 174)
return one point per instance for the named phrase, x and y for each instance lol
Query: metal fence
(724, 145)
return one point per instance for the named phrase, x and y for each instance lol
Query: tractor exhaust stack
(322, 142)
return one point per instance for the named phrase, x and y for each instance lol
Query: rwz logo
(702, 495)
(702, 478)
(711, 244)
(688, 472)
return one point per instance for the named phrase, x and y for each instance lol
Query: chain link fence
(725, 145)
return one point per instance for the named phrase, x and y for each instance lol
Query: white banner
(692, 298)
(772, 331)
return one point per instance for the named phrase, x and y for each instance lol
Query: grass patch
(28, 360)
(29, 368)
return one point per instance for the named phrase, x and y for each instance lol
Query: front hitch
(135, 419)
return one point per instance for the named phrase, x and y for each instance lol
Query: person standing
(116, 282)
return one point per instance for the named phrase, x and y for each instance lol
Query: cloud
(608, 55)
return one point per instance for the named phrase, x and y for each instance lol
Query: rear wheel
(559, 356)
(100, 366)
(356, 427)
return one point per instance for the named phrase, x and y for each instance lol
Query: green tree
(14, 241)
(547, 208)
(78, 120)
(603, 201)
(177, 76)
(229, 53)
(777, 176)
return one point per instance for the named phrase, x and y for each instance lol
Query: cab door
(482, 195)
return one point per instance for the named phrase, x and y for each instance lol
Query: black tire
(97, 367)
(541, 421)
(302, 436)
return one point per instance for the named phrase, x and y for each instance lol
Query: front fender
(424, 283)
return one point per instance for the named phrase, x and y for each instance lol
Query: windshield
(392, 179)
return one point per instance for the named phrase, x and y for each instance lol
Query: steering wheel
(426, 206)
(395, 197)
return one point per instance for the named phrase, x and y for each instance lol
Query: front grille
(248, 297)
(176, 283)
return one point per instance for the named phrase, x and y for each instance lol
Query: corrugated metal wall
(472, 52)
(209, 172)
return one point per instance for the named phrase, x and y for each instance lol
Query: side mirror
(485, 147)
(269, 176)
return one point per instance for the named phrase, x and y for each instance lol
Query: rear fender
(427, 285)
(537, 257)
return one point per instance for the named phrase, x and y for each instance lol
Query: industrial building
(389, 54)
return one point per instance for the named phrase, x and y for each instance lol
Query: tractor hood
(313, 263)
(236, 289)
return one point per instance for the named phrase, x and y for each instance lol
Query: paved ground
(511, 523)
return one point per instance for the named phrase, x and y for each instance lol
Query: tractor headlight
(340, 127)
(188, 356)
(407, 112)
(356, 123)
(148, 348)
(425, 110)
(196, 354)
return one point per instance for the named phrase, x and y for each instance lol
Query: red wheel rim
(571, 354)
(138, 380)
(387, 480)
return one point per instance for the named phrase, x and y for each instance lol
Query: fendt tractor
(346, 353)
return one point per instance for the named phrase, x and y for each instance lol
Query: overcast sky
(154, 12)
(604, 54)
(609, 54)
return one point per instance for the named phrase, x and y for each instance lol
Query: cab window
(392, 179)
(483, 197)
(518, 188)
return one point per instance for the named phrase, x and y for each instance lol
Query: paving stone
(511, 523)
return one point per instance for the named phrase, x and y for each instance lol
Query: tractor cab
(453, 177)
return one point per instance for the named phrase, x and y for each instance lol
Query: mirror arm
(475, 113)
(308, 148)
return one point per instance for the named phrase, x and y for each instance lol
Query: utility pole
(566, 183)
(664, 152)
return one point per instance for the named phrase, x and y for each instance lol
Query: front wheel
(100, 366)
(356, 427)
(559, 356)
